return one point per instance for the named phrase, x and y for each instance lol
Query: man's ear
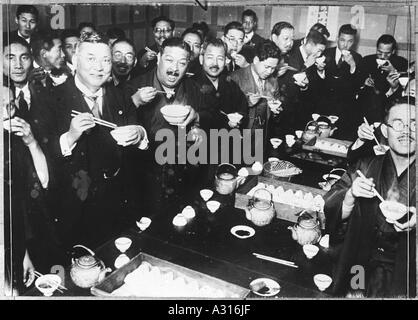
(16, 20)
(158, 57)
(74, 60)
(256, 60)
(384, 130)
(201, 59)
(135, 61)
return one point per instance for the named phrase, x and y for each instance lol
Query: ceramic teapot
(311, 131)
(87, 270)
(325, 128)
(307, 229)
(260, 209)
(227, 179)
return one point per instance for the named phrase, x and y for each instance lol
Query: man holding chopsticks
(385, 249)
(96, 131)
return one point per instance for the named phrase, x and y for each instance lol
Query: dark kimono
(387, 256)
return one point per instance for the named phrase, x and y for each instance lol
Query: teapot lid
(87, 261)
(306, 220)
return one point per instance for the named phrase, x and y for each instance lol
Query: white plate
(273, 286)
(235, 229)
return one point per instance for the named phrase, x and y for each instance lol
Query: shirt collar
(248, 37)
(303, 53)
(338, 54)
(20, 35)
(71, 67)
(25, 90)
(256, 77)
(84, 90)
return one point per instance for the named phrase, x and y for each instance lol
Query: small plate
(248, 230)
(265, 287)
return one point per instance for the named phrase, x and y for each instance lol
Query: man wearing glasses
(123, 61)
(385, 249)
(163, 28)
(234, 40)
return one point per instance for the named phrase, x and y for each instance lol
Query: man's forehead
(346, 36)
(71, 39)
(272, 62)
(27, 15)
(162, 24)
(402, 111)
(16, 49)
(175, 52)
(211, 49)
(94, 48)
(192, 37)
(235, 33)
(384, 47)
(286, 32)
(123, 46)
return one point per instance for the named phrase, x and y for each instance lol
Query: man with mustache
(123, 61)
(92, 158)
(163, 28)
(150, 92)
(48, 60)
(27, 22)
(385, 249)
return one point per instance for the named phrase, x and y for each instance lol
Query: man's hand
(36, 74)
(20, 128)
(409, 225)
(28, 270)
(128, 135)
(79, 124)
(362, 188)
(193, 117)
(197, 135)
(275, 106)
(369, 82)
(348, 57)
(393, 80)
(310, 60)
(320, 66)
(253, 99)
(365, 132)
(388, 67)
(240, 61)
(147, 57)
(143, 96)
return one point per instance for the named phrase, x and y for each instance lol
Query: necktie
(95, 109)
(340, 61)
(22, 104)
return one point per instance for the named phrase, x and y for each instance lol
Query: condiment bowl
(123, 244)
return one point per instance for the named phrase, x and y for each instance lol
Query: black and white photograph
(208, 150)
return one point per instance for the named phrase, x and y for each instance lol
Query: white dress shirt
(20, 35)
(26, 93)
(248, 37)
(259, 82)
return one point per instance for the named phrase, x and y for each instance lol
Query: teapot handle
(85, 248)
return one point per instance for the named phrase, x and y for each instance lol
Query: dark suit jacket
(138, 70)
(91, 182)
(249, 49)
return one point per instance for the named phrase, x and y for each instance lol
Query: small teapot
(324, 127)
(307, 230)
(227, 179)
(87, 270)
(260, 209)
(311, 131)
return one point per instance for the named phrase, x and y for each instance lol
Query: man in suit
(123, 61)
(91, 156)
(167, 182)
(49, 65)
(252, 39)
(257, 82)
(163, 28)
(376, 71)
(234, 39)
(193, 38)
(316, 27)
(336, 83)
(27, 22)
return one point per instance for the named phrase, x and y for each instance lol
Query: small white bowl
(322, 281)
(206, 194)
(276, 142)
(175, 114)
(47, 284)
(290, 140)
(121, 260)
(392, 210)
(144, 223)
(179, 220)
(380, 151)
(299, 133)
(243, 172)
(188, 212)
(272, 159)
(333, 119)
(213, 205)
(123, 244)
(235, 117)
(299, 77)
(324, 242)
(403, 81)
(315, 116)
(310, 250)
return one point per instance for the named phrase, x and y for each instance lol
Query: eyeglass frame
(412, 128)
(165, 31)
(126, 55)
(237, 41)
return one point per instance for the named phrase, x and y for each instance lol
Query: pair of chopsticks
(276, 260)
(38, 274)
(375, 139)
(374, 190)
(97, 120)
(149, 50)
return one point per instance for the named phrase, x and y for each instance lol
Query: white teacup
(403, 81)
(333, 119)
(290, 140)
(123, 244)
(310, 250)
(315, 116)
(276, 142)
(206, 194)
(322, 281)
(144, 223)
(213, 205)
(299, 133)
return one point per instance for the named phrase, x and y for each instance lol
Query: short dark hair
(216, 42)
(43, 40)
(115, 33)
(250, 13)
(347, 29)
(85, 24)
(27, 9)
(387, 39)
(69, 33)
(9, 39)
(176, 42)
(193, 31)
(279, 26)
(316, 37)
(267, 49)
(321, 29)
(234, 25)
(94, 37)
(202, 27)
(163, 18)
(397, 101)
(126, 41)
